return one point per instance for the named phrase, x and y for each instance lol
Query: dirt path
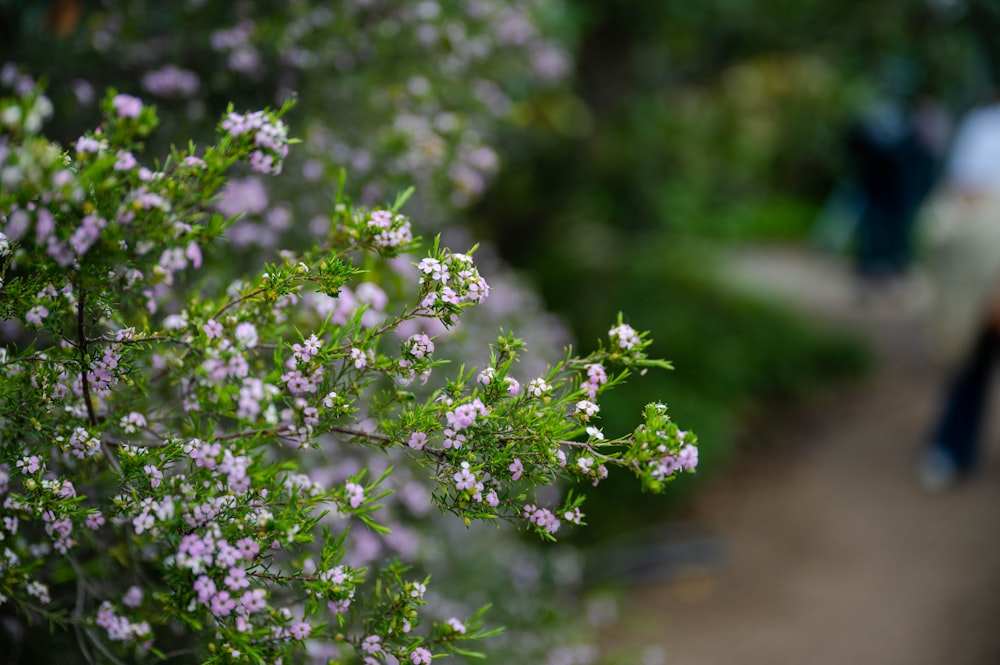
(821, 547)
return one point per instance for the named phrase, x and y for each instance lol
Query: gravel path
(819, 546)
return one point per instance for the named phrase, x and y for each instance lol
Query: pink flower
(127, 106)
(359, 357)
(624, 335)
(516, 468)
(420, 656)
(597, 373)
(542, 517)
(308, 349)
(253, 600)
(300, 630)
(452, 440)
(339, 606)
(419, 346)
(372, 644)
(205, 587)
(236, 579)
(171, 81)
(36, 315)
(355, 493)
(688, 457)
(335, 575)
(193, 253)
(87, 144)
(133, 597)
(212, 328)
(222, 604)
(227, 555)
(247, 548)
(132, 422)
(417, 440)
(125, 161)
(29, 465)
(465, 479)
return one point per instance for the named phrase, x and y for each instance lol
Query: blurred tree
(983, 20)
(695, 123)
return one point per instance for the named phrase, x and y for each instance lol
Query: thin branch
(237, 301)
(572, 444)
(84, 367)
(284, 578)
(250, 433)
(405, 316)
(38, 358)
(81, 597)
(362, 434)
(137, 444)
(138, 340)
(103, 649)
(112, 460)
(180, 652)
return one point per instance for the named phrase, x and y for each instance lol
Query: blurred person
(964, 234)
(895, 150)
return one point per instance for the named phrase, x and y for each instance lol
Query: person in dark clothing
(895, 163)
(959, 429)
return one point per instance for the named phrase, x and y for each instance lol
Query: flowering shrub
(170, 444)
(367, 102)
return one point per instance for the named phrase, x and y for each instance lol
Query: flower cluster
(661, 449)
(178, 459)
(269, 139)
(624, 336)
(448, 281)
(389, 230)
(596, 377)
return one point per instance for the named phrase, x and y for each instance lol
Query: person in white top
(966, 223)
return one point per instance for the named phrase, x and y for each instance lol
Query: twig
(236, 301)
(81, 597)
(138, 340)
(250, 433)
(363, 434)
(84, 367)
(103, 649)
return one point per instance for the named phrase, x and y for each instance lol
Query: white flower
(486, 376)
(246, 335)
(625, 335)
(538, 387)
(175, 322)
(586, 408)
